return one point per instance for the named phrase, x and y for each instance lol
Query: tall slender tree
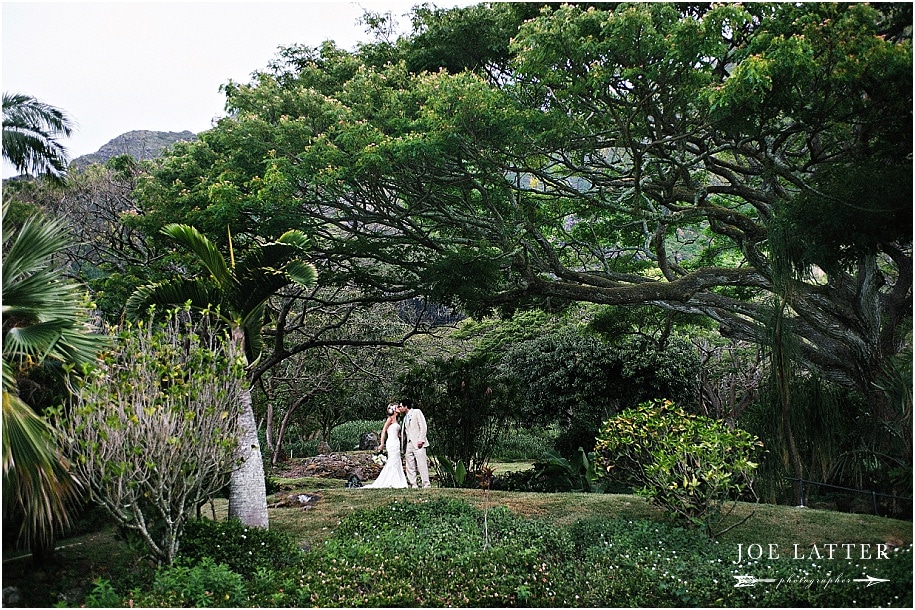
(237, 292)
(31, 132)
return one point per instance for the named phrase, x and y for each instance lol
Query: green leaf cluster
(689, 465)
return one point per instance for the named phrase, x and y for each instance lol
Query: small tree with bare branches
(153, 429)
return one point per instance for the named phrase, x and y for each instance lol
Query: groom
(414, 434)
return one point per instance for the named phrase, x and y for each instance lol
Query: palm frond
(271, 255)
(253, 324)
(44, 315)
(198, 292)
(30, 135)
(24, 109)
(205, 251)
(36, 480)
(294, 238)
(255, 287)
(26, 250)
(34, 341)
(302, 273)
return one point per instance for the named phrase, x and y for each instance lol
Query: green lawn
(101, 554)
(782, 525)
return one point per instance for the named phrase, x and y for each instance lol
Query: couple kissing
(410, 438)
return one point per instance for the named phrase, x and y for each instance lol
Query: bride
(392, 474)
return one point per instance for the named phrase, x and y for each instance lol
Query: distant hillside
(141, 145)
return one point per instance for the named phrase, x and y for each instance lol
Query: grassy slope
(782, 525)
(100, 554)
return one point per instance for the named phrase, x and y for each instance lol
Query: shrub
(446, 553)
(345, 437)
(245, 550)
(153, 430)
(689, 465)
(525, 443)
(642, 563)
(435, 554)
(102, 595)
(205, 585)
(553, 473)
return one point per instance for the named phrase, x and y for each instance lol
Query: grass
(782, 525)
(101, 554)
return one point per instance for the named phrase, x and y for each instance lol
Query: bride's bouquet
(380, 458)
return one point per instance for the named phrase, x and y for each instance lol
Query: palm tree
(31, 130)
(238, 293)
(44, 320)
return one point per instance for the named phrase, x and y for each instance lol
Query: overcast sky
(119, 66)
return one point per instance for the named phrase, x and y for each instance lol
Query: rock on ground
(332, 466)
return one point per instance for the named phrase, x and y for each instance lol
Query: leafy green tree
(31, 132)
(579, 381)
(631, 154)
(46, 323)
(237, 291)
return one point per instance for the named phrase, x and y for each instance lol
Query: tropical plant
(236, 291)
(46, 321)
(31, 130)
(152, 432)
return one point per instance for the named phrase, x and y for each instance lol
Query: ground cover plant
(395, 548)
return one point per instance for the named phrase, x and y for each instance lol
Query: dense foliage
(578, 381)
(244, 550)
(444, 553)
(705, 160)
(567, 163)
(689, 465)
(741, 170)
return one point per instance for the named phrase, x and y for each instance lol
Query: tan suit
(414, 433)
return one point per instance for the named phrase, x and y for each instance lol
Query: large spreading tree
(749, 163)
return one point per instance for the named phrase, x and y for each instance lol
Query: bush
(641, 563)
(578, 380)
(102, 595)
(345, 437)
(205, 585)
(553, 473)
(440, 553)
(689, 465)
(446, 553)
(153, 430)
(525, 443)
(245, 550)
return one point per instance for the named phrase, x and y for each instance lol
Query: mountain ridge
(141, 144)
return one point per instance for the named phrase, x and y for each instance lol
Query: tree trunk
(247, 489)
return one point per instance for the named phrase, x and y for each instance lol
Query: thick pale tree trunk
(247, 490)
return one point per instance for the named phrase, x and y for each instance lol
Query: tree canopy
(716, 160)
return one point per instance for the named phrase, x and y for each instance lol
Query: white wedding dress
(392, 475)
